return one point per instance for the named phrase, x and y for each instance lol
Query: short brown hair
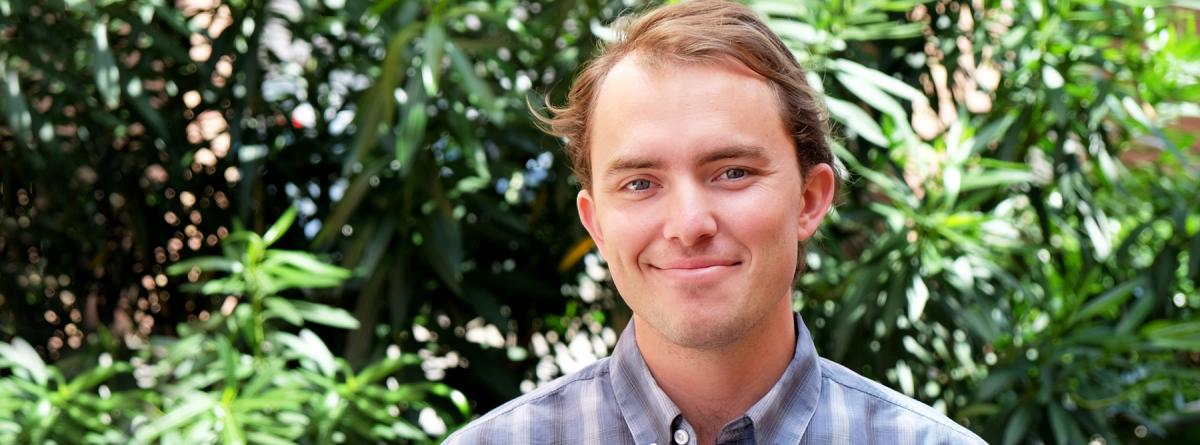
(699, 31)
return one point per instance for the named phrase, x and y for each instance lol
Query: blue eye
(638, 185)
(734, 173)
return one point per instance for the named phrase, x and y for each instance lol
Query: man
(703, 162)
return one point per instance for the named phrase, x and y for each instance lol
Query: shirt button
(681, 437)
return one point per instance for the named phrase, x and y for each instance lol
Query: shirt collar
(646, 408)
(781, 416)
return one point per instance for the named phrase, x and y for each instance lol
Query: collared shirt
(616, 401)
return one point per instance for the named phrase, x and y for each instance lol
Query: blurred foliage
(234, 377)
(1018, 242)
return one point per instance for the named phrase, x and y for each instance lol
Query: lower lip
(697, 274)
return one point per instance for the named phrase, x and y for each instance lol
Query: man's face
(697, 200)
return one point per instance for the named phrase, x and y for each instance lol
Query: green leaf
(221, 286)
(476, 156)
(355, 192)
(313, 359)
(281, 225)
(16, 109)
(994, 178)
(96, 376)
(378, 104)
(267, 439)
(408, 431)
(379, 370)
(1180, 335)
(876, 98)
(1108, 301)
(325, 315)
(21, 354)
(288, 277)
(435, 48)
(195, 404)
(885, 82)
(281, 307)
(104, 65)
(411, 135)
(1018, 425)
(1134, 317)
(478, 92)
(305, 262)
(855, 119)
(803, 33)
(319, 352)
(205, 264)
(1065, 430)
(992, 132)
(998, 381)
(917, 295)
(275, 399)
(443, 245)
(229, 359)
(231, 430)
(888, 30)
(456, 397)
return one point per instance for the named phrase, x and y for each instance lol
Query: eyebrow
(622, 164)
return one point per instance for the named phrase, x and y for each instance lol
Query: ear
(818, 195)
(586, 205)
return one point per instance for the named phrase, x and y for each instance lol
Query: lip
(695, 269)
(694, 263)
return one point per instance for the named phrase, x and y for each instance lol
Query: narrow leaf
(325, 315)
(435, 47)
(104, 65)
(1108, 301)
(1018, 425)
(176, 417)
(284, 309)
(857, 121)
(21, 354)
(478, 92)
(281, 225)
(205, 264)
(306, 262)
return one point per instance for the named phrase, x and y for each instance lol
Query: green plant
(237, 377)
(38, 404)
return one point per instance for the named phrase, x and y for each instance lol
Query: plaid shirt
(616, 401)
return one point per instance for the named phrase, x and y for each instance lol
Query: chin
(697, 328)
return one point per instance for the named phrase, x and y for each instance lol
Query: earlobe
(586, 206)
(818, 196)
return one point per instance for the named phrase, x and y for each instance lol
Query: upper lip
(694, 263)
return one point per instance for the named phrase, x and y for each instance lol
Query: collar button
(681, 436)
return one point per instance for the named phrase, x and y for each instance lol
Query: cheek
(627, 232)
(764, 218)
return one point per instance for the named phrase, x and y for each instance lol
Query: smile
(696, 270)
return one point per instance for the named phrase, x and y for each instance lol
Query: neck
(715, 386)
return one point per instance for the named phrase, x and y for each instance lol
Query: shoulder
(515, 420)
(885, 410)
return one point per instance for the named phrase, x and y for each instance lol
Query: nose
(690, 219)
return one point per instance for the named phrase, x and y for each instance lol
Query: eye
(637, 185)
(734, 173)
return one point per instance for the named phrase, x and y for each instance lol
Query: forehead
(682, 111)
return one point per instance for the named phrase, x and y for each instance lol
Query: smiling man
(704, 164)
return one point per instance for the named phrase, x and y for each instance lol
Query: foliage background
(1017, 243)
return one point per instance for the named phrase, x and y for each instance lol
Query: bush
(237, 377)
